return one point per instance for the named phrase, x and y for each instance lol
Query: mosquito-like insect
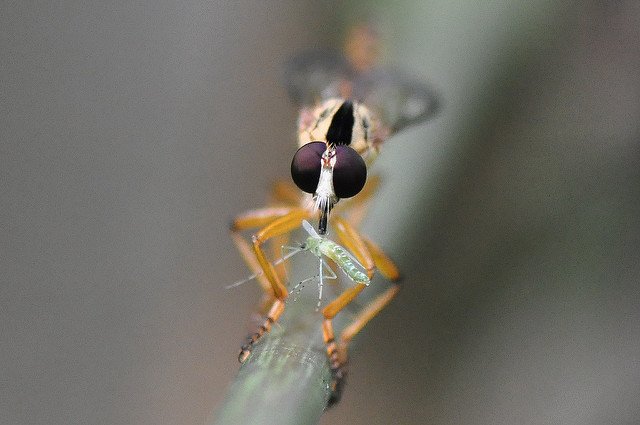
(349, 107)
(323, 247)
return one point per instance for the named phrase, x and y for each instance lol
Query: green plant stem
(285, 380)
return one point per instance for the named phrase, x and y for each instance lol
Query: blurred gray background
(132, 132)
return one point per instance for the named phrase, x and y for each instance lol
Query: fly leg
(384, 264)
(337, 352)
(283, 192)
(279, 225)
(250, 220)
(388, 269)
(353, 242)
(368, 313)
(371, 256)
(365, 250)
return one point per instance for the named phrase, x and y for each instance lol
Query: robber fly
(349, 107)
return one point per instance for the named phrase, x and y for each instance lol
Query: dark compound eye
(306, 165)
(349, 173)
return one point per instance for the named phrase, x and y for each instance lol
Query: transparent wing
(314, 75)
(397, 100)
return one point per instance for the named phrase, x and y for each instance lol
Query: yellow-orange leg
(337, 355)
(274, 313)
(369, 312)
(280, 226)
(370, 254)
(389, 270)
(284, 192)
(250, 220)
(280, 221)
(384, 264)
(337, 350)
(352, 241)
(246, 251)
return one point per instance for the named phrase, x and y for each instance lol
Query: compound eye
(306, 166)
(349, 173)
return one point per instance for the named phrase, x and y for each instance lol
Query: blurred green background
(133, 131)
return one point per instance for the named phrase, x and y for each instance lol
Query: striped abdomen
(343, 260)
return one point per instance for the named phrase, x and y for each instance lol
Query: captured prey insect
(323, 247)
(320, 246)
(349, 108)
